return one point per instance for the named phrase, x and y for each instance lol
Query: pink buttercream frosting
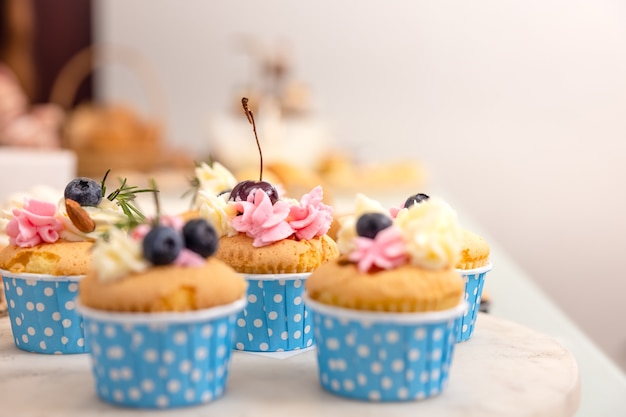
(262, 221)
(175, 222)
(267, 223)
(393, 211)
(387, 250)
(188, 257)
(34, 224)
(311, 217)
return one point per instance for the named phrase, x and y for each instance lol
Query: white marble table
(505, 370)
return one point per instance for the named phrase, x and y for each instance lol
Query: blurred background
(516, 111)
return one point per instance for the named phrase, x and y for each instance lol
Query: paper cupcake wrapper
(276, 318)
(3, 301)
(42, 311)
(161, 360)
(376, 356)
(474, 282)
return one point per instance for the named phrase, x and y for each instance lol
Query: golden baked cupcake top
(284, 256)
(59, 258)
(403, 262)
(162, 266)
(474, 251)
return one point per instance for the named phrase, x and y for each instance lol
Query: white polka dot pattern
(275, 319)
(160, 366)
(380, 362)
(43, 316)
(474, 283)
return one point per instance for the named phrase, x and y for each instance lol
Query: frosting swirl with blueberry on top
(424, 233)
(164, 241)
(346, 235)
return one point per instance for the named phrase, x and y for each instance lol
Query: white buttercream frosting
(214, 178)
(117, 256)
(105, 216)
(432, 234)
(216, 210)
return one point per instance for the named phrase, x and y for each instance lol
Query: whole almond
(79, 217)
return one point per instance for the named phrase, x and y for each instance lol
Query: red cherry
(242, 190)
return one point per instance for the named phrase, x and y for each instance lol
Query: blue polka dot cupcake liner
(42, 312)
(378, 356)
(474, 282)
(161, 360)
(275, 318)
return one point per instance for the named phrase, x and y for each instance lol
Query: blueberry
(162, 245)
(84, 191)
(369, 224)
(200, 236)
(241, 191)
(415, 199)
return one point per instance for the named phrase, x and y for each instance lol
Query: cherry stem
(250, 116)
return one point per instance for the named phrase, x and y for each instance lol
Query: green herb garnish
(124, 196)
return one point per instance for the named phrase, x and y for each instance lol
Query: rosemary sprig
(103, 182)
(124, 196)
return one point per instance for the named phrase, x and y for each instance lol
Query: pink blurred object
(22, 125)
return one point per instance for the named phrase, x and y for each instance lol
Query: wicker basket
(105, 135)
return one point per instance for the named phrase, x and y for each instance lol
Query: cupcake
(385, 312)
(48, 254)
(159, 313)
(275, 242)
(473, 265)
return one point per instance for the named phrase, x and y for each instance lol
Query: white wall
(517, 107)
